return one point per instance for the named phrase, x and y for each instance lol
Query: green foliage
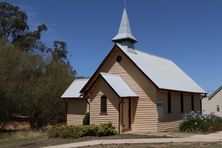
(194, 122)
(72, 131)
(14, 27)
(32, 76)
(32, 87)
(13, 21)
(86, 119)
(15, 71)
(104, 129)
(63, 132)
(59, 50)
(88, 130)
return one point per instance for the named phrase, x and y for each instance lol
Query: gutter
(119, 114)
(87, 103)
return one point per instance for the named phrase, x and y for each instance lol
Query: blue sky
(189, 32)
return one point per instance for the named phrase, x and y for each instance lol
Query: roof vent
(130, 50)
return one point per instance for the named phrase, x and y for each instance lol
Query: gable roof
(116, 82)
(163, 72)
(215, 92)
(73, 91)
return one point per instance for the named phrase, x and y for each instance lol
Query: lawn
(36, 139)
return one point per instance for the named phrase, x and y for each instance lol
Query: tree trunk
(3, 126)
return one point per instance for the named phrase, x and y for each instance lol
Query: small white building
(213, 103)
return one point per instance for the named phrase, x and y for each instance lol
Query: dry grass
(32, 139)
(36, 139)
(169, 145)
(17, 135)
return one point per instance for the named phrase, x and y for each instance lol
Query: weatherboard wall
(144, 113)
(143, 109)
(76, 109)
(210, 105)
(172, 120)
(99, 89)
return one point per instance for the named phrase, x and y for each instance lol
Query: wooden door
(126, 114)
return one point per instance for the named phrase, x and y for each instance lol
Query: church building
(134, 90)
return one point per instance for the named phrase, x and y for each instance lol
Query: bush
(88, 130)
(106, 129)
(62, 131)
(194, 122)
(86, 119)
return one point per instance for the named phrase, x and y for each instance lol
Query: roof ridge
(138, 50)
(152, 54)
(81, 79)
(109, 73)
(146, 62)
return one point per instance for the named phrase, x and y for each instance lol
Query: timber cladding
(176, 113)
(213, 103)
(144, 113)
(76, 109)
(143, 110)
(99, 89)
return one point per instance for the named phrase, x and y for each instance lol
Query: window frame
(103, 109)
(181, 103)
(169, 103)
(192, 102)
(218, 108)
(160, 109)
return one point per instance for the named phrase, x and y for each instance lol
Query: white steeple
(124, 35)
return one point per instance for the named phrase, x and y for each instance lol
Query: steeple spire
(124, 35)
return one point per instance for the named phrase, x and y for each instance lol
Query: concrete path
(214, 137)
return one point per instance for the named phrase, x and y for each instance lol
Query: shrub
(86, 119)
(194, 122)
(63, 132)
(88, 130)
(106, 129)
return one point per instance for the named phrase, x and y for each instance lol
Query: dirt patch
(171, 134)
(171, 145)
(17, 125)
(35, 139)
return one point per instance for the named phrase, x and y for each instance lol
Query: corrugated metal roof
(163, 72)
(118, 85)
(215, 92)
(124, 29)
(73, 91)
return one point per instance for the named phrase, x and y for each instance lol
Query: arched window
(103, 104)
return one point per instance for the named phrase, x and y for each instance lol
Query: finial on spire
(124, 35)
